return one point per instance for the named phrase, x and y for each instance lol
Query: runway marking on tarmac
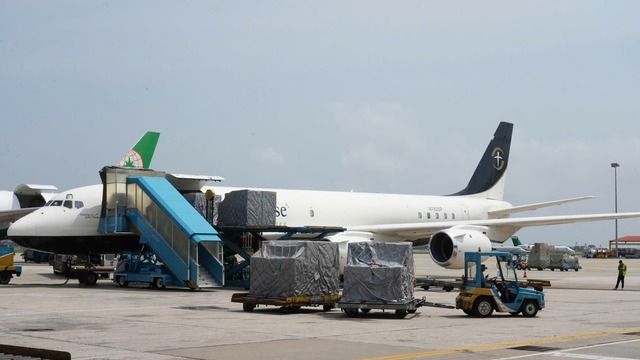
(504, 345)
(566, 352)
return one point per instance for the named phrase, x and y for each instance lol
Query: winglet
(142, 152)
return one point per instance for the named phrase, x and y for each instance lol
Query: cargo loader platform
(250, 302)
(401, 309)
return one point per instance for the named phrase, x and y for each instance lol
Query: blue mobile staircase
(181, 238)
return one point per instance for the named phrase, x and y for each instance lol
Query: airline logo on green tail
(498, 162)
(132, 160)
(141, 154)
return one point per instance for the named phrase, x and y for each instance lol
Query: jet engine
(447, 247)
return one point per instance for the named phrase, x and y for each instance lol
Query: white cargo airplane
(452, 224)
(28, 197)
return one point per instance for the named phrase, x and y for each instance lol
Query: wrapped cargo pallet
(248, 208)
(540, 255)
(379, 272)
(285, 268)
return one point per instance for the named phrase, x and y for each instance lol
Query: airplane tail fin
(142, 152)
(488, 179)
(516, 241)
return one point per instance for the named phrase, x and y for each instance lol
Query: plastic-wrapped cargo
(198, 201)
(379, 272)
(564, 261)
(540, 255)
(285, 268)
(248, 208)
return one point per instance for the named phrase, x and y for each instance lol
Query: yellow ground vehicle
(480, 294)
(7, 268)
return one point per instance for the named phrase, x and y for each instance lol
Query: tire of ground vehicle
(90, 278)
(351, 312)
(158, 283)
(5, 277)
(483, 307)
(529, 308)
(248, 307)
(327, 307)
(121, 282)
(365, 310)
(468, 312)
(401, 314)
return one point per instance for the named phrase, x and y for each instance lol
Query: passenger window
(79, 204)
(453, 216)
(437, 215)
(419, 215)
(68, 204)
(428, 215)
(445, 216)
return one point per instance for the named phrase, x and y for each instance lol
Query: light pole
(615, 181)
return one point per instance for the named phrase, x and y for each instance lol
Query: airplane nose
(23, 226)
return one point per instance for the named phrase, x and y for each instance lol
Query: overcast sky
(376, 96)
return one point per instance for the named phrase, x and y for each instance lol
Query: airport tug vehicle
(482, 294)
(7, 267)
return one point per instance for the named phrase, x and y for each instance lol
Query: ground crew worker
(622, 272)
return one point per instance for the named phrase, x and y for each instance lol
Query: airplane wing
(12, 215)
(515, 209)
(499, 229)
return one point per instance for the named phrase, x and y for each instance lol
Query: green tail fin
(516, 241)
(142, 153)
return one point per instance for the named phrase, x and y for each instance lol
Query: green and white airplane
(28, 197)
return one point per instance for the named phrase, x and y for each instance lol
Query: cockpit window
(68, 204)
(79, 204)
(48, 203)
(56, 202)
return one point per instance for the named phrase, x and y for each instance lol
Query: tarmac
(583, 319)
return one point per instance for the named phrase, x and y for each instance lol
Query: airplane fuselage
(69, 223)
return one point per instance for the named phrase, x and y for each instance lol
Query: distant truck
(7, 267)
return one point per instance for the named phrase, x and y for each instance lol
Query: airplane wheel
(529, 309)
(401, 314)
(483, 307)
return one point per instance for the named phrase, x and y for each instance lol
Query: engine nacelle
(447, 247)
